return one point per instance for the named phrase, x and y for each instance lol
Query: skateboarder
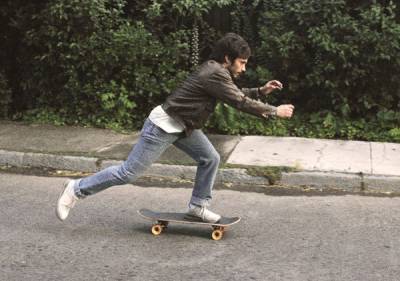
(178, 121)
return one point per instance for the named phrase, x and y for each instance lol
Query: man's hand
(285, 110)
(271, 86)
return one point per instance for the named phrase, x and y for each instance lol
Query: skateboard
(162, 219)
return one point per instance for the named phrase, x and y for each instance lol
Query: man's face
(237, 67)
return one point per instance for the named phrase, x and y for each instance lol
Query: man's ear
(227, 60)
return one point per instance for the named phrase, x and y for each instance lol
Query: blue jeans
(152, 143)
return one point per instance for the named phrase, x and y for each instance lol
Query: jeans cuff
(77, 190)
(200, 202)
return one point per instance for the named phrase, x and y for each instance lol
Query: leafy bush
(333, 56)
(96, 66)
(326, 125)
(5, 96)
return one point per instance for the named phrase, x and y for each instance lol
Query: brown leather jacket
(193, 102)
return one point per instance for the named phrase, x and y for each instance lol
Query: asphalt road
(279, 238)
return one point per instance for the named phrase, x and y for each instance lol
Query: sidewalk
(248, 163)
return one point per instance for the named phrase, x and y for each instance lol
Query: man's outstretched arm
(221, 86)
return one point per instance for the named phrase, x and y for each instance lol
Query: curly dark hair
(231, 45)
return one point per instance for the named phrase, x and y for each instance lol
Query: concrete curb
(227, 178)
(41, 160)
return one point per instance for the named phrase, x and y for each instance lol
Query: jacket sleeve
(220, 85)
(251, 92)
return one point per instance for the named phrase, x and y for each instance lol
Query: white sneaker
(66, 201)
(203, 214)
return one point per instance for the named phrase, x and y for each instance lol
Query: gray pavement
(324, 238)
(247, 161)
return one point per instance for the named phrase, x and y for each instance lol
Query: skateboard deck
(162, 219)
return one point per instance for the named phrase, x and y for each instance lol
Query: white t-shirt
(159, 117)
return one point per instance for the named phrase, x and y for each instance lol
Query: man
(178, 121)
